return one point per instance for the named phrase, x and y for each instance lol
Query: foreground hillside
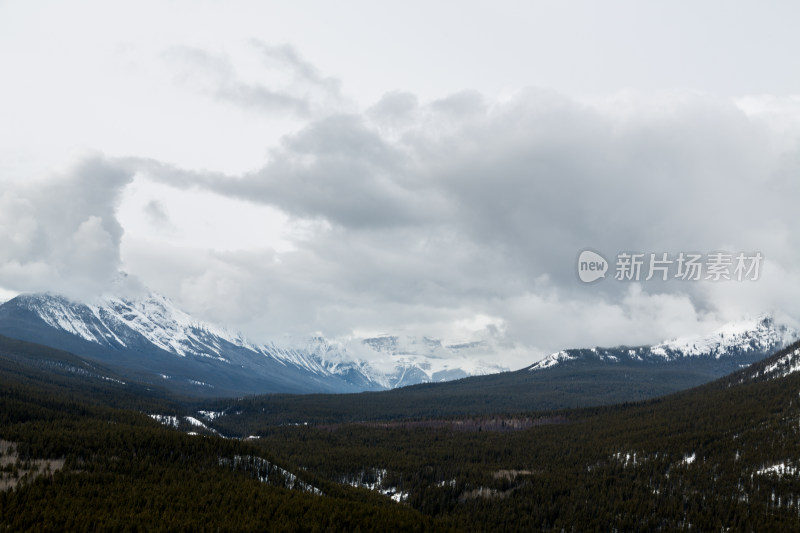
(69, 462)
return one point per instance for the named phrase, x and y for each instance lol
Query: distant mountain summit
(149, 338)
(425, 360)
(733, 346)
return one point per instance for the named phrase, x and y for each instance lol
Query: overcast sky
(423, 168)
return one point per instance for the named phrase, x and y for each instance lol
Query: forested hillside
(581, 384)
(723, 456)
(72, 463)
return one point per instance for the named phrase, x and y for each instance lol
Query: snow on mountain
(392, 361)
(110, 320)
(747, 339)
(553, 360)
(128, 323)
(760, 334)
(153, 324)
(613, 355)
(408, 359)
(153, 317)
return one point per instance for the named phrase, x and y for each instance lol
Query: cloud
(156, 214)
(461, 217)
(394, 112)
(280, 81)
(303, 71)
(464, 207)
(336, 168)
(61, 234)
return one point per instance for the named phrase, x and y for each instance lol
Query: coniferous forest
(82, 453)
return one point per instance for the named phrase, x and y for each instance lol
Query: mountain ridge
(149, 339)
(748, 340)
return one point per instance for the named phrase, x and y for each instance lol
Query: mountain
(733, 346)
(150, 339)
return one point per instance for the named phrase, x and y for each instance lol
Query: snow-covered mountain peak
(552, 360)
(761, 333)
(115, 321)
(156, 317)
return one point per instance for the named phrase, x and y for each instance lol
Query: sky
(431, 169)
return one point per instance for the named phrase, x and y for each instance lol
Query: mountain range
(148, 339)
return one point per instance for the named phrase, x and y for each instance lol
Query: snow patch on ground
(373, 480)
(779, 469)
(268, 472)
(788, 364)
(167, 420)
(626, 458)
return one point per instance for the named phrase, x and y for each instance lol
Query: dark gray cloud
(464, 207)
(337, 168)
